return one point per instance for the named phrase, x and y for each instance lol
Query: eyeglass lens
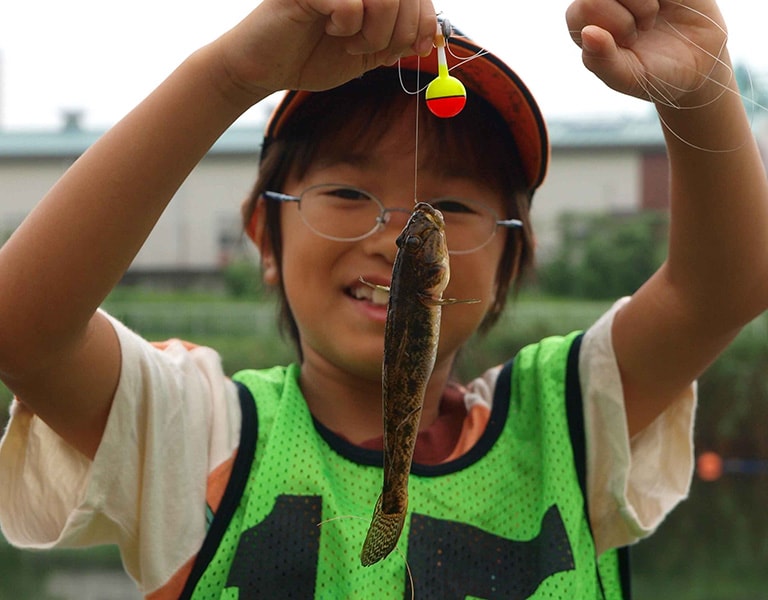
(345, 213)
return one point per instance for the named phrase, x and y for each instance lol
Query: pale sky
(104, 57)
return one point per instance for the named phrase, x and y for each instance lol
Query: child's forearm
(77, 243)
(57, 354)
(719, 206)
(715, 278)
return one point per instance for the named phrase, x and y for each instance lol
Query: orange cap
(486, 75)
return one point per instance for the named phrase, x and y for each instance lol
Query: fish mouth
(375, 293)
(430, 212)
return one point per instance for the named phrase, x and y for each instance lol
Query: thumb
(601, 55)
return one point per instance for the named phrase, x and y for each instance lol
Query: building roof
(73, 141)
(565, 134)
(610, 133)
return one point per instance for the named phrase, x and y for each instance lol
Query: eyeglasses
(348, 214)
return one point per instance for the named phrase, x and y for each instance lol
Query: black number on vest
(449, 560)
(278, 557)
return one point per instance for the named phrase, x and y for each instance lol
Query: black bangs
(352, 119)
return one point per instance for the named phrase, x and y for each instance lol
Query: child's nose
(383, 240)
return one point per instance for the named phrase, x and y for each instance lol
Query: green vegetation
(5, 400)
(25, 575)
(714, 546)
(242, 279)
(605, 256)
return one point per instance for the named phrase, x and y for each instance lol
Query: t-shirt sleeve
(631, 484)
(174, 420)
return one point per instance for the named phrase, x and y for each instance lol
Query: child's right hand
(319, 44)
(58, 355)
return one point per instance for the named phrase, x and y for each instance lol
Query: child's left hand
(715, 277)
(667, 52)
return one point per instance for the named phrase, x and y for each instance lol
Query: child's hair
(352, 118)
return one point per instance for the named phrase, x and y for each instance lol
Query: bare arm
(60, 358)
(715, 279)
(57, 354)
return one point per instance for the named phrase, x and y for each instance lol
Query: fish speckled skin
(419, 276)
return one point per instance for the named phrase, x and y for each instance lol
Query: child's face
(320, 275)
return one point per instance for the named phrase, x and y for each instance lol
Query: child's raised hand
(665, 51)
(319, 44)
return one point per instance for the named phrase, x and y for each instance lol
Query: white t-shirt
(174, 428)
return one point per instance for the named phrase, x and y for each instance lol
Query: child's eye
(453, 206)
(347, 193)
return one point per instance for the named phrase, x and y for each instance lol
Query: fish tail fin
(382, 535)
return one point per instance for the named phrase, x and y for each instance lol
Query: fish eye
(412, 242)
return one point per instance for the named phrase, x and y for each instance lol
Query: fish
(420, 274)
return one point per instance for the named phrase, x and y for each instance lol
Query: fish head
(423, 248)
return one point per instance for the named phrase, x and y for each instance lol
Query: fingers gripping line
(386, 29)
(622, 19)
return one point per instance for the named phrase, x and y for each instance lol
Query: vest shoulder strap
(233, 492)
(574, 404)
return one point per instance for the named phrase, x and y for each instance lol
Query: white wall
(585, 181)
(187, 235)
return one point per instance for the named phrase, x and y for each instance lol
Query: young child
(528, 480)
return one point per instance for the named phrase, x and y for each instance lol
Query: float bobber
(446, 95)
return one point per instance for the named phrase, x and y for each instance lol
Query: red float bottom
(447, 106)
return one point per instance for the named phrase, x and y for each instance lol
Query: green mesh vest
(507, 520)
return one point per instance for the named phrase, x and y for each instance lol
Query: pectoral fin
(432, 301)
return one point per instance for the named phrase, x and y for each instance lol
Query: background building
(615, 166)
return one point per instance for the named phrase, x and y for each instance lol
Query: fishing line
(445, 95)
(647, 84)
(416, 124)
(660, 92)
(416, 144)
(461, 61)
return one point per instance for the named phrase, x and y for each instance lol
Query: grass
(24, 575)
